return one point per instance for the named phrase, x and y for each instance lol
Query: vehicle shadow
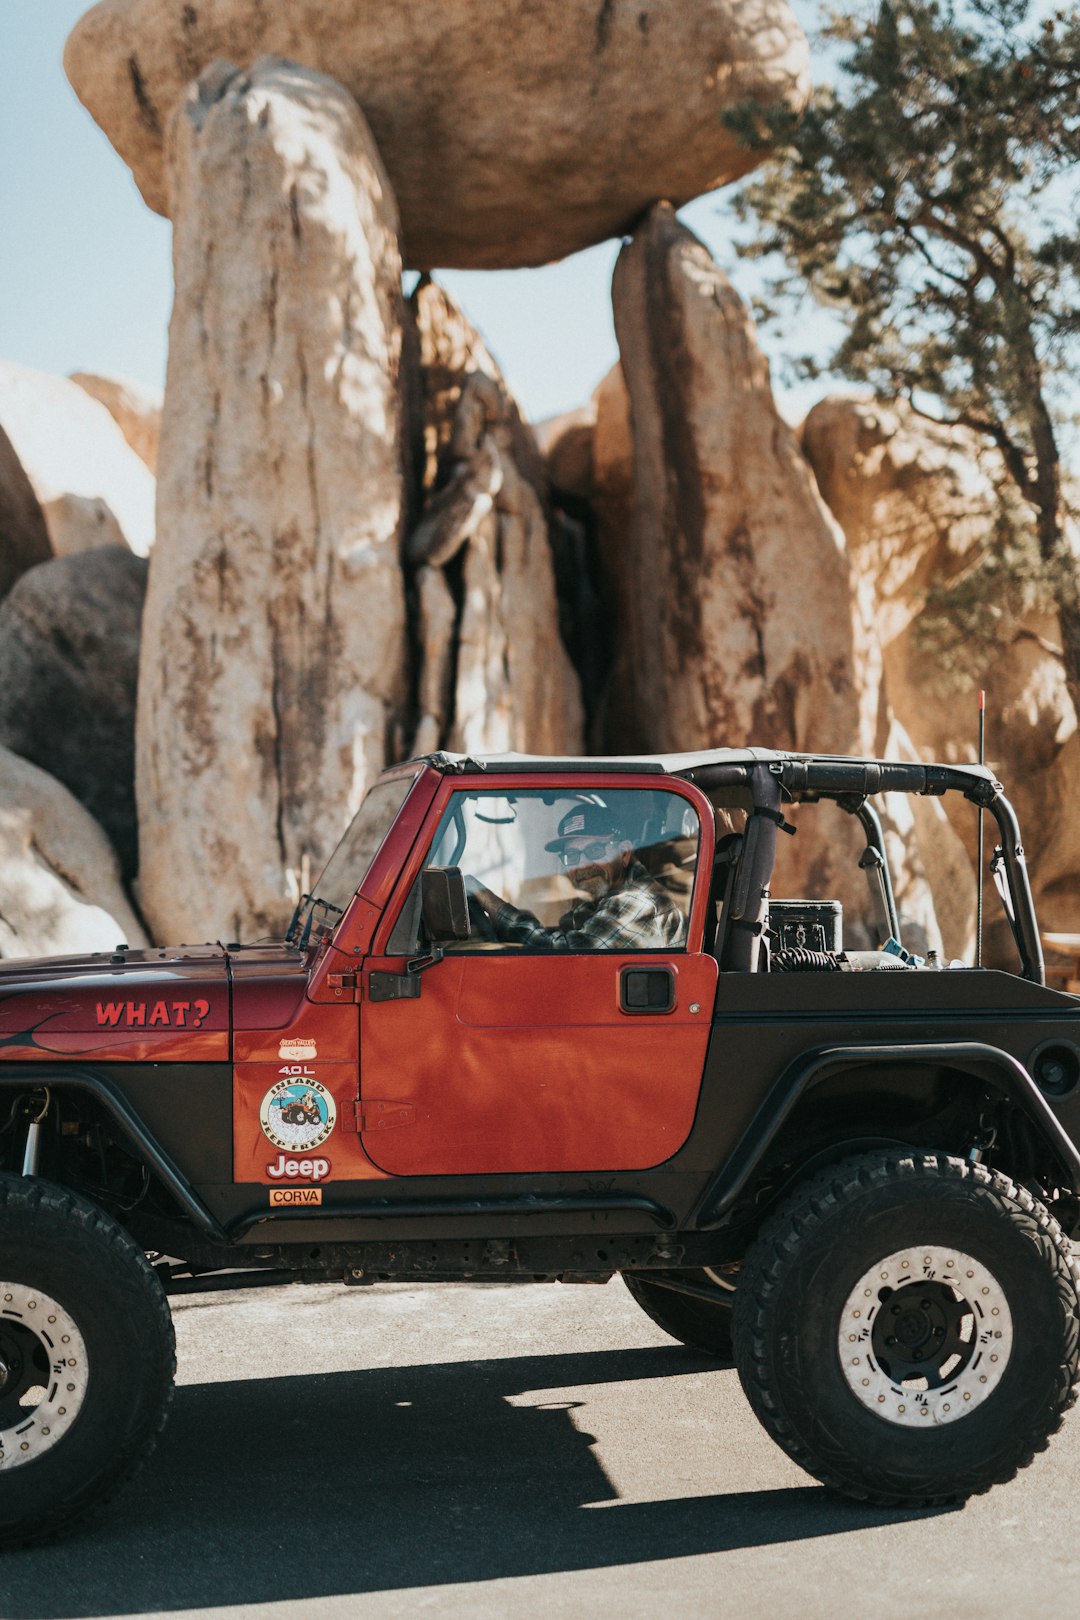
(273, 1490)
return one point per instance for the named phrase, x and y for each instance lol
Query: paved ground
(490, 1451)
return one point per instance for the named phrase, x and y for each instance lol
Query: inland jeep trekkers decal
(297, 1113)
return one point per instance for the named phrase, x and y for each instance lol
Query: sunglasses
(588, 852)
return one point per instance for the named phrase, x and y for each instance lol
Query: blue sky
(85, 272)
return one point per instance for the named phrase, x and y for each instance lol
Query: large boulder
(513, 132)
(273, 668)
(24, 539)
(60, 892)
(918, 505)
(494, 673)
(69, 659)
(566, 444)
(732, 582)
(736, 618)
(93, 488)
(134, 408)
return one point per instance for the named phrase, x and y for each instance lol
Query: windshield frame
(307, 926)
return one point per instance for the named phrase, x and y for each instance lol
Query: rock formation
(272, 674)
(917, 504)
(24, 539)
(93, 489)
(566, 444)
(494, 672)
(135, 410)
(69, 658)
(514, 132)
(60, 890)
(732, 583)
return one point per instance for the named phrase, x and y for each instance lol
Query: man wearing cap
(624, 910)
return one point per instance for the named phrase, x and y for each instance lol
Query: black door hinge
(393, 986)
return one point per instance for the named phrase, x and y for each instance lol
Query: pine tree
(929, 196)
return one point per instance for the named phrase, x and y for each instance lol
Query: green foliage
(990, 601)
(930, 196)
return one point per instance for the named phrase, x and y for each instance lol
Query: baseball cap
(585, 821)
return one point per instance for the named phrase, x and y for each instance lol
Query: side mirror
(444, 905)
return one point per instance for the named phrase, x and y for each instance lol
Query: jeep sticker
(294, 1195)
(297, 1115)
(150, 1014)
(296, 1049)
(302, 1169)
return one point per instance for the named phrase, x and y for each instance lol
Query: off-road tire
(802, 1278)
(76, 1263)
(699, 1323)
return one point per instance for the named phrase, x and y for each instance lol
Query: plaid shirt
(638, 916)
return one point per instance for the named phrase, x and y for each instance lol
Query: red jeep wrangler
(543, 1021)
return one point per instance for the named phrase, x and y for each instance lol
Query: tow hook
(32, 1152)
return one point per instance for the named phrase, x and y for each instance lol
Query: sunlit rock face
(272, 679)
(917, 503)
(738, 614)
(513, 131)
(92, 487)
(134, 408)
(60, 892)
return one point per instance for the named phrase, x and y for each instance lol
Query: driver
(624, 909)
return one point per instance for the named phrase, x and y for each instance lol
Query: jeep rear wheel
(908, 1329)
(700, 1319)
(86, 1358)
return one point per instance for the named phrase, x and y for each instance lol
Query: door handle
(647, 989)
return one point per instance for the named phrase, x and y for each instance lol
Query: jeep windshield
(343, 873)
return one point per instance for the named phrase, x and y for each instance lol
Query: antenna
(979, 858)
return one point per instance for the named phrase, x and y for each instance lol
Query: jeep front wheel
(86, 1358)
(908, 1329)
(694, 1307)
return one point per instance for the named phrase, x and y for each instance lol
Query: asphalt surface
(486, 1451)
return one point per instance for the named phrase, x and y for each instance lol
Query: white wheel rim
(908, 1290)
(41, 1338)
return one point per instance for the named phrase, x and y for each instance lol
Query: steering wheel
(480, 922)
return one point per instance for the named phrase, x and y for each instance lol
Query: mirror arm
(419, 963)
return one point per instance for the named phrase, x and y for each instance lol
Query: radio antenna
(979, 859)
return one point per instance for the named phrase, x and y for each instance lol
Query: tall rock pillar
(273, 654)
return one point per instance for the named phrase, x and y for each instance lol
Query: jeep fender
(61, 1078)
(999, 1070)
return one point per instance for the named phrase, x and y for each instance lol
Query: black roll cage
(849, 783)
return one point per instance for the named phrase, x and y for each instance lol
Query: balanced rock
(494, 671)
(60, 892)
(69, 658)
(24, 539)
(513, 132)
(93, 489)
(135, 409)
(272, 676)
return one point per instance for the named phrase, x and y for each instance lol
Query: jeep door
(553, 1045)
